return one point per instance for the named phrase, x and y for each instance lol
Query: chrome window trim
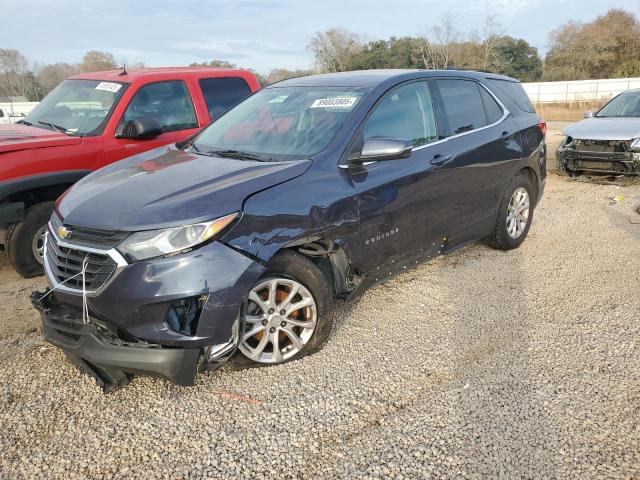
(116, 256)
(505, 114)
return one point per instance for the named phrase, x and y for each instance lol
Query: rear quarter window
(514, 91)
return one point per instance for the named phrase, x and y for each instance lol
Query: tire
(502, 238)
(286, 266)
(20, 239)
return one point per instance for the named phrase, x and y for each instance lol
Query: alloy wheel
(280, 319)
(518, 212)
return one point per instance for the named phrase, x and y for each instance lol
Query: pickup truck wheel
(25, 240)
(514, 215)
(288, 312)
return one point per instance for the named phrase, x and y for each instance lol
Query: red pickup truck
(89, 121)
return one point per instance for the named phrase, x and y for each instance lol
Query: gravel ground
(482, 364)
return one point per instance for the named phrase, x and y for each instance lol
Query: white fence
(18, 108)
(578, 91)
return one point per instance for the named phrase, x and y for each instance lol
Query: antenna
(124, 70)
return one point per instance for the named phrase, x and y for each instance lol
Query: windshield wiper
(237, 155)
(24, 122)
(54, 126)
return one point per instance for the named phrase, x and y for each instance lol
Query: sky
(258, 34)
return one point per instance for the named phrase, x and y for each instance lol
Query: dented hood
(21, 137)
(605, 128)
(169, 187)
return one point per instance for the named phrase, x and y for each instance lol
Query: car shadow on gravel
(499, 403)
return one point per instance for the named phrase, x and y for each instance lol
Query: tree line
(608, 46)
(19, 78)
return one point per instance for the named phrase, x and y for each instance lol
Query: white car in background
(7, 117)
(607, 141)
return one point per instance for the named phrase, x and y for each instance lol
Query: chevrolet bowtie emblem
(63, 232)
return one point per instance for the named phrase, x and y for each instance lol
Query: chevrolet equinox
(237, 240)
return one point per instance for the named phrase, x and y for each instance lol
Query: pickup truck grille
(65, 265)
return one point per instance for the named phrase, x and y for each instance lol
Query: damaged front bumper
(96, 350)
(606, 157)
(163, 317)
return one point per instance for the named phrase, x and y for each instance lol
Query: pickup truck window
(77, 107)
(167, 102)
(405, 112)
(223, 93)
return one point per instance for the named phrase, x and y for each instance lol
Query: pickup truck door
(170, 103)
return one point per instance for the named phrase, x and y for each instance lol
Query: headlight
(635, 144)
(155, 243)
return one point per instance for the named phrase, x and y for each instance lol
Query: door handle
(439, 158)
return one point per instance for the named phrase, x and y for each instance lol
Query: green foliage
(517, 59)
(392, 53)
(630, 68)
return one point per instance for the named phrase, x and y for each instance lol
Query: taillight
(543, 127)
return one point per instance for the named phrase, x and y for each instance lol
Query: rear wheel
(514, 215)
(287, 315)
(25, 241)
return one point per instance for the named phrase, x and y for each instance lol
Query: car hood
(21, 137)
(605, 128)
(168, 187)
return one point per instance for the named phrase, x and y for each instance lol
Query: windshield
(77, 107)
(281, 123)
(624, 105)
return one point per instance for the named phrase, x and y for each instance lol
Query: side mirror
(381, 148)
(589, 114)
(139, 129)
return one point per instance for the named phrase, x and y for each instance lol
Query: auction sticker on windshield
(336, 102)
(108, 86)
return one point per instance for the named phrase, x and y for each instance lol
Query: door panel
(168, 102)
(478, 161)
(397, 213)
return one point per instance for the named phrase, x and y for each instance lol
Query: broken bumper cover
(618, 163)
(131, 329)
(107, 358)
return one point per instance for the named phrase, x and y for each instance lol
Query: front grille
(65, 265)
(602, 146)
(91, 237)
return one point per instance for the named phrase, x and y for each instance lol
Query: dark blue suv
(237, 240)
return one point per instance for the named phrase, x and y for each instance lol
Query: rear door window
(221, 94)
(461, 108)
(405, 112)
(167, 102)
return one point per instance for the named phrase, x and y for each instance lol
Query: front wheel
(25, 241)
(287, 314)
(514, 215)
